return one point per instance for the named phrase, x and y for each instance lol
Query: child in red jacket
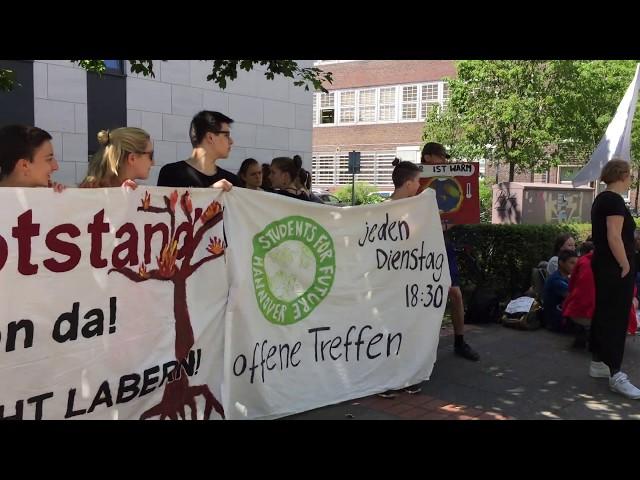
(580, 303)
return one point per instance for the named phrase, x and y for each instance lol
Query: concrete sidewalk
(520, 375)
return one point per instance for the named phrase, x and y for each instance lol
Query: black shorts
(453, 265)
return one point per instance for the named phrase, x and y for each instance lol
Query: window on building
(367, 105)
(541, 177)
(315, 108)
(17, 106)
(327, 108)
(429, 99)
(348, 107)
(387, 104)
(566, 173)
(382, 104)
(410, 102)
(114, 66)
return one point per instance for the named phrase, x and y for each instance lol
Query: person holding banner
(284, 175)
(432, 154)
(251, 174)
(614, 274)
(27, 158)
(210, 134)
(406, 182)
(406, 179)
(303, 182)
(126, 155)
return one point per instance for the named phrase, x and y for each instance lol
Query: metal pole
(353, 189)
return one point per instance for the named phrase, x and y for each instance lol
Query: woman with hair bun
(284, 177)
(126, 155)
(406, 179)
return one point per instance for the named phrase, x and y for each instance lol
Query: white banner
(616, 141)
(329, 304)
(105, 296)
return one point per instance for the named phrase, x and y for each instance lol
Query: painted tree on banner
(178, 393)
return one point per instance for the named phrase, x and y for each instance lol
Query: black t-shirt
(300, 196)
(606, 204)
(181, 174)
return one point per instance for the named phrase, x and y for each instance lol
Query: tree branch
(201, 262)
(154, 210)
(197, 238)
(135, 276)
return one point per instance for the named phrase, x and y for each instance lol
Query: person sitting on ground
(563, 242)
(126, 155)
(578, 306)
(556, 289)
(251, 174)
(580, 302)
(284, 173)
(27, 158)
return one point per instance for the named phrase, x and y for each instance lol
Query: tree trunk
(184, 331)
(512, 171)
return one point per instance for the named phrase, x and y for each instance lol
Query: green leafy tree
(222, 72)
(497, 108)
(486, 200)
(531, 114)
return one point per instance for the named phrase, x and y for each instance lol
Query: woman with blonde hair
(126, 155)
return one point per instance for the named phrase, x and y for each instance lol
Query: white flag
(616, 142)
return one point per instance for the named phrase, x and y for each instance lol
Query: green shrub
(363, 194)
(507, 253)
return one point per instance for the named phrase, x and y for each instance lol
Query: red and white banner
(112, 304)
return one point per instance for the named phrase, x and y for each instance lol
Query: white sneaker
(620, 383)
(599, 370)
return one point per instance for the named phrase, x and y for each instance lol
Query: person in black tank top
(614, 273)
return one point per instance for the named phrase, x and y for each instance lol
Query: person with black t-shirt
(210, 136)
(283, 175)
(614, 274)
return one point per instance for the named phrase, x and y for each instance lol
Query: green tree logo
(293, 268)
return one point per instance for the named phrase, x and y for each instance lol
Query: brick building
(376, 107)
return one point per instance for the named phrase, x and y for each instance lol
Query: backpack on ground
(483, 307)
(523, 313)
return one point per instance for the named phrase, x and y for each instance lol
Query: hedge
(507, 253)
